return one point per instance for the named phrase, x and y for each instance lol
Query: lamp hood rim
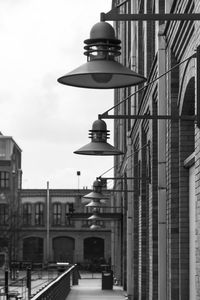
(98, 148)
(82, 76)
(95, 195)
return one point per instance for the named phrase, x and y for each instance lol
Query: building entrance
(33, 249)
(94, 252)
(63, 248)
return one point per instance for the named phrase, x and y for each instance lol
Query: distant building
(10, 186)
(55, 228)
(49, 225)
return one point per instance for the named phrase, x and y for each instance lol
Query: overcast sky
(42, 40)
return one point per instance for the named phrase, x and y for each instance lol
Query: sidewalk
(90, 289)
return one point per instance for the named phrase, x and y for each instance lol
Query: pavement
(91, 289)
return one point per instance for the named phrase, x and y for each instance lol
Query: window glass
(168, 4)
(3, 214)
(27, 212)
(2, 149)
(4, 180)
(57, 214)
(39, 214)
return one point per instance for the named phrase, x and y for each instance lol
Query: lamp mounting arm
(148, 117)
(118, 178)
(105, 115)
(113, 15)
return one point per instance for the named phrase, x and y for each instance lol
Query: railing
(60, 287)
(29, 283)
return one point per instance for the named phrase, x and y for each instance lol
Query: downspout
(130, 248)
(162, 229)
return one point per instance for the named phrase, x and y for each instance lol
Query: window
(3, 214)
(57, 214)
(4, 180)
(39, 214)
(27, 213)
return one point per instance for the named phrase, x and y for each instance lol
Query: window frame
(57, 214)
(4, 214)
(27, 214)
(39, 214)
(4, 180)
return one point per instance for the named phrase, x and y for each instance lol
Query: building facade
(10, 185)
(50, 225)
(55, 228)
(160, 252)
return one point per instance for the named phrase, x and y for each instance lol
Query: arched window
(94, 248)
(39, 214)
(63, 249)
(33, 249)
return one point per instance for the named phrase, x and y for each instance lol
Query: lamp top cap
(99, 125)
(97, 183)
(102, 31)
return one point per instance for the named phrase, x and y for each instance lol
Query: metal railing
(60, 287)
(42, 283)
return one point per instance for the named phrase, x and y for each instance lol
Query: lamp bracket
(113, 15)
(128, 191)
(120, 178)
(114, 178)
(146, 116)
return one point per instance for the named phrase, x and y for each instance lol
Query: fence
(44, 283)
(60, 287)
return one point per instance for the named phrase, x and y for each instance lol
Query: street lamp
(102, 71)
(97, 192)
(98, 145)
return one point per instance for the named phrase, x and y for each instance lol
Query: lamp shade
(98, 149)
(102, 74)
(95, 216)
(96, 193)
(95, 226)
(98, 145)
(95, 203)
(102, 71)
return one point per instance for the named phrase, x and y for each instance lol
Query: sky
(42, 40)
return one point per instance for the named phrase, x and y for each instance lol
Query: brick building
(160, 254)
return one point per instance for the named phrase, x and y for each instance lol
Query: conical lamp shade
(95, 216)
(102, 74)
(95, 203)
(98, 148)
(95, 195)
(102, 70)
(95, 226)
